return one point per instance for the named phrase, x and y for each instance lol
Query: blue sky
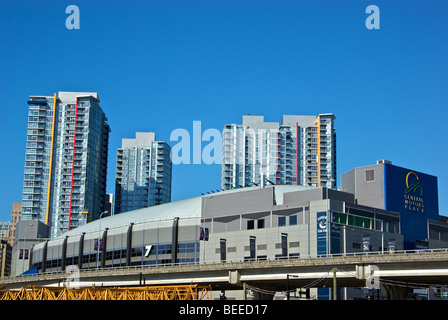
(160, 65)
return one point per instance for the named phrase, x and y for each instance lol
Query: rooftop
(187, 208)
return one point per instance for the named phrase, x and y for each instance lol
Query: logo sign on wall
(322, 222)
(392, 244)
(203, 234)
(148, 250)
(322, 232)
(413, 194)
(366, 243)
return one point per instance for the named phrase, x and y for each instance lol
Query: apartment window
(222, 249)
(281, 221)
(251, 224)
(391, 227)
(293, 220)
(370, 175)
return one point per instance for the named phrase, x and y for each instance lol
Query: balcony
(37, 101)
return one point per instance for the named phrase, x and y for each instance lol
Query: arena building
(253, 223)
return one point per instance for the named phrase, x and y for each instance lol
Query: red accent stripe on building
(297, 153)
(73, 166)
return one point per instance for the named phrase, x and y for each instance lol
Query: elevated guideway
(423, 268)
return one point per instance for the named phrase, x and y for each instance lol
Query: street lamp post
(98, 246)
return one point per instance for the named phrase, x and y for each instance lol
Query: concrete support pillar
(103, 253)
(175, 240)
(263, 296)
(394, 292)
(64, 254)
(81, 250)
(44, 256)
(129, 245)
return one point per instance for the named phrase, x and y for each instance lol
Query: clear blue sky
(160, 65)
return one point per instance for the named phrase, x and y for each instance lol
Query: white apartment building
(300, 151)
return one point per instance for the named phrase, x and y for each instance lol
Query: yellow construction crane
(185, 292)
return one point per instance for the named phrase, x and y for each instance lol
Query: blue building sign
(322, 233)
(415, 196)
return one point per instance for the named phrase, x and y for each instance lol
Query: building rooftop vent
(383, 161)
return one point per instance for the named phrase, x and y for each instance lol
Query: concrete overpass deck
(424, 267)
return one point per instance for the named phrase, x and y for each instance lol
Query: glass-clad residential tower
(143, 175)
(66, 160)
(300, 151)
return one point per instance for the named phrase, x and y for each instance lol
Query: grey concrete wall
(369, 193)
(348, 181)
(237, 203)
(316, 194)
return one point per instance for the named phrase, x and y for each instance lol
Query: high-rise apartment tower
(300, 151)
(66, 160)
(143, 176)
